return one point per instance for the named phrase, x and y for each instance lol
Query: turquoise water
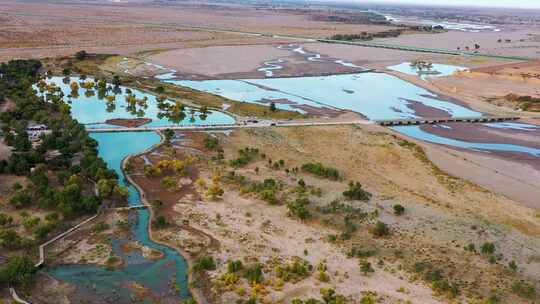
(375, 95)
(418, 133)
(158, 275)
(442, 69)
(91, 110)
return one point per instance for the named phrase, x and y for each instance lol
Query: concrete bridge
(429, 121)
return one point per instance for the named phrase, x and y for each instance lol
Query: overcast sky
(488, 3)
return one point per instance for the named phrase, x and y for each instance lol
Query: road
(261, 124)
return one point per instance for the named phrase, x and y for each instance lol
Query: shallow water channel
(166, 277)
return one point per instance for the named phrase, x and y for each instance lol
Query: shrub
(234, 266)
(471, 247)
(99, 227)
(211, 142)
(254, 273)
(381, 229)
(245, 156)
(524, 290)
(355, 192)
(169, 183)
(204, 263)
(365, 267)
(399, 209)
(320, 170)
(294, 271)
(81, 55)
(5, 220)
(488, 248)
(513, 266)
(299, 209)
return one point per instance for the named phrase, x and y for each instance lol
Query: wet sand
(250, 61)
(499, 172)
(478, 132)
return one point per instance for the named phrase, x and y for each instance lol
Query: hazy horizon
(534, 4)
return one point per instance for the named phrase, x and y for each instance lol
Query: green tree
(160, 222)
(19, 270)
(169, 134)
(116, 80)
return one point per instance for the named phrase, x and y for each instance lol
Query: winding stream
(158, 276)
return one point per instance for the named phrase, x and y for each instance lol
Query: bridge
(265, 124)
(430, 121)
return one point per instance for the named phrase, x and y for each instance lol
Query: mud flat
(128, 122)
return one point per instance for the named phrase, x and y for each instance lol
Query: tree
(160, 89)
(273, 107)
(169, 134)
(105, 187)
(160, 222)
(19, 270)
(116, 80)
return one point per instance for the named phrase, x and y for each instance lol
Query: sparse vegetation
(321, 170)
(204, 263)
(355, 192)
